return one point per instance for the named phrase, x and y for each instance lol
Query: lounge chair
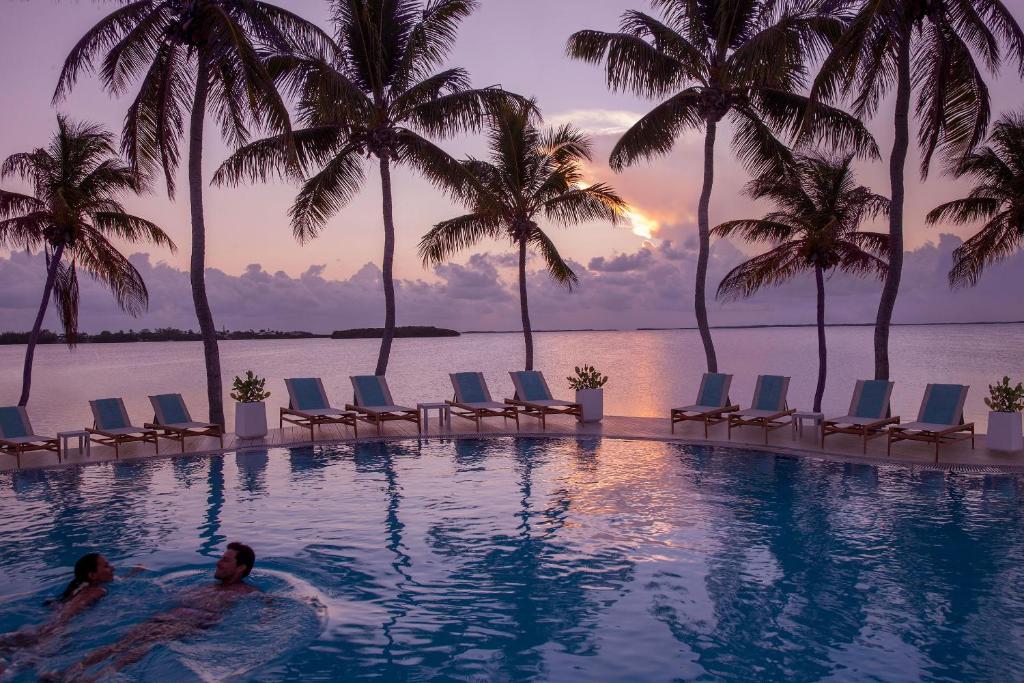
(171, 420)
(374, 404)
(940, 420)
(534, 398)
(712, 403)
(17, 437)
(767, 408)
(308, 407)
(868, 415)
(111, 426)
(473, 400)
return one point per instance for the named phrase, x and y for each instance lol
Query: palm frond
(765, 270)
(451, 236)
(655, 134)
(557, 268)
(132, 229)
(322, 195)
(962, 211)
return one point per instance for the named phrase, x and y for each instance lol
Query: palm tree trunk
(819, 280)
(198, 262)
(33, 338)
(388, 269)
(704, 230)
(524, 307)
(897, 164)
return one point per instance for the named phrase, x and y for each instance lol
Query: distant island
(158, 335)
(400, 332)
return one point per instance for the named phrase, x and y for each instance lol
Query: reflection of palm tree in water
(209, 532)
(785, 567)
(530, 587)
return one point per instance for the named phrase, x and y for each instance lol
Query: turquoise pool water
(532, 559)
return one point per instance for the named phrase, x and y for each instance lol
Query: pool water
(521, 559)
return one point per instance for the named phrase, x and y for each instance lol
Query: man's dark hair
(243, 555)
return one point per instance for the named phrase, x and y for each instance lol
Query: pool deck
(956, 457)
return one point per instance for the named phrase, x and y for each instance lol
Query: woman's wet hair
(86, 564)
(243, 555)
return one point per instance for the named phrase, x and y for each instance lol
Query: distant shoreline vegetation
(400, 332)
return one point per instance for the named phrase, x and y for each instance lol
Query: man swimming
(198, 609)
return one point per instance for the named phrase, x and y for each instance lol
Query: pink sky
(517, 44)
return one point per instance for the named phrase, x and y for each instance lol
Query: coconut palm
(374, 95)
(744, 61)
(927, 47)
(997, 199)
(72, 214)
(532, 175)
(815, 227)
(190, 58)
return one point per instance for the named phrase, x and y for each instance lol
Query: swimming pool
(536, 559)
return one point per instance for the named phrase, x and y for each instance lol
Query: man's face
(228, 568)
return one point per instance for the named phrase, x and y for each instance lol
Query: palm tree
(532, 174)
(815, 227)
(713, 60)
(998, 199)
(375, 94)
(72, 214)
(928, 47)
(191, 57)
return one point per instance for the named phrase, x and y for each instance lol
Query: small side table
(83, 442)
(444, 415)
(814, 418)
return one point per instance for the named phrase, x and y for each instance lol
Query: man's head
(235, 564)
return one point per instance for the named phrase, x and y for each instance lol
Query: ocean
(650, 371)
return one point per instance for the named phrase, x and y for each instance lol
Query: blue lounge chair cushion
(172, 409)
(370, 391)
(872, 396)
(770, 396)
(470, 388)
(711, 390)
(942, 404)
(110, 415)
(12, 425)
(532, 384)
(308, 395)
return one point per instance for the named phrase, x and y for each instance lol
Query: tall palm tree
(997, 199)
(191, 57)
(72, 213)
(532, 175)
(815, 227)
(744, 61)
(927, 46)
(376, 95)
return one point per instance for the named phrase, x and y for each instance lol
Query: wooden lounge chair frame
(767, 422)
(179, 431)
(106, 437)
(713, 414)
(473, 410)
(863, 427)
(960, 431)
(550, 405)
(378, 415)
(16, 445)
(311, 420)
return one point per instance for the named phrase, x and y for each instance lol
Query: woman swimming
(92, 571)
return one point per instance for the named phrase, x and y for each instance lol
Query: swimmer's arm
(135, 571)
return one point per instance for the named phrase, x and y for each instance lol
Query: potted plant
(1005, 402)
(250, 410)
(589, 394)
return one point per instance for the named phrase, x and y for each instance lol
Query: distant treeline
(162, 334)
(406, 331)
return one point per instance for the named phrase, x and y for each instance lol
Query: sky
(636, 275)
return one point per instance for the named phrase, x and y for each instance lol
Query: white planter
(251, 420)
(1004, 432)
(592, 403)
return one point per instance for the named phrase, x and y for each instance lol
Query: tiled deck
(958, 456)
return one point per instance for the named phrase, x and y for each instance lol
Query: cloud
(596, 121)
(651, 287)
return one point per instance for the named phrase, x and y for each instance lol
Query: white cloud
(596, 121)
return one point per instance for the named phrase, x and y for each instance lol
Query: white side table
(814, 418)
(83, 441)
(444, 415)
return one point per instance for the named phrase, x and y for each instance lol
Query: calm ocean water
(650, 371)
